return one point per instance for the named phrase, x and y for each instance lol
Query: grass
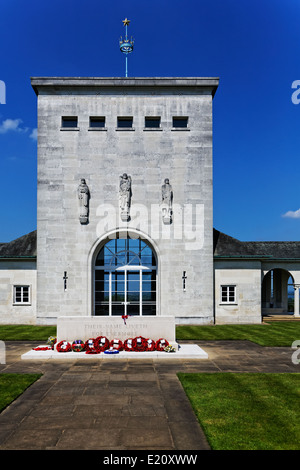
(26, 332)
(246, 411)
(13, 385)
(265, 334)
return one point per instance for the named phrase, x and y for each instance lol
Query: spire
(126, 45)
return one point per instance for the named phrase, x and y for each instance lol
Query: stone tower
(125, 212)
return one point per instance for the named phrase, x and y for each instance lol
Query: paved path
(120, 405)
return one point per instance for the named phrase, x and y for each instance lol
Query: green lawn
(26, 332)
(13, 385)
(242, 411)
(271, 334)
(265, 334)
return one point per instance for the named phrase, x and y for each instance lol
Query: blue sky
(253, 46)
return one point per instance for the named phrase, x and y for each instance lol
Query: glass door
(125, 278)
(127, 291)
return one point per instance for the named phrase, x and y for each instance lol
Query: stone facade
(245, 277)
(132, 158)
(149, 156)
(16, 274)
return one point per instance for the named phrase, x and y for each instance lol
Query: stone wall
(148, 156)
(17, 273)
(246, 277)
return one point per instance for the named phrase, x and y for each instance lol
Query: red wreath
(128, 344)
(42, 348)
(161, 344)
(116, 344)
(91, 347)
(78, 345)
(151, 345)
(102, 343)
(63, 346)
(140, 343)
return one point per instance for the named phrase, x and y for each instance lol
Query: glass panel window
(69, 121)
(125, 122)
(180, 121)
(97, 122)
(125, 278)
(21, 294)
(122, 252)
(228, 294)
(152, 122)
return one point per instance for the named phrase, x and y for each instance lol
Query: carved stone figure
(84, 199)
(167, 199)
(125, 196)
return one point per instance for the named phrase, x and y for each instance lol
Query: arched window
(125, 280)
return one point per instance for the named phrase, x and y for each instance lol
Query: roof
(229, 247)
(22, 247)
(224, 247)
(53, 84)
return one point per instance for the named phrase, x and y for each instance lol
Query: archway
(125, 277)
(277, 292)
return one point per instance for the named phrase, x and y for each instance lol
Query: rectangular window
(97, 122)
(69, 121)
(125, 122)
(228, 294)
(180, 122)
(152, 122)
(21, 295)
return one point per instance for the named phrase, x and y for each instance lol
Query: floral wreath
(63, 346)
(51, 341)
(116, 344)
(169, 349)
(78, 345)
(102, 343)
(128, 344)
(91, 347)
(151, 344)
(161, 344)
(140, 344)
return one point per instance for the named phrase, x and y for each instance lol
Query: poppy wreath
(140, 344)
(102, 343)
(161, 344)
(63, 346)
(78, 345)
(128, 344)
(42, 348)
(116, 344)
(90, 347)
(151, 345)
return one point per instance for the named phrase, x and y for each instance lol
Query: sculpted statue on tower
(84, 199)
(125, 196)
(167, 199)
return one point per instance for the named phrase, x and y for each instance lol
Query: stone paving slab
(119, 405)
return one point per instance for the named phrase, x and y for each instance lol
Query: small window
(152, 122)
(67, 122)
(21, 295)
(125, 122)
(97, 122)
(180, 122)
(228, 294)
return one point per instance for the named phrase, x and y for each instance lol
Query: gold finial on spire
(126, 22)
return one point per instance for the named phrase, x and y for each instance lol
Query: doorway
(125, 278)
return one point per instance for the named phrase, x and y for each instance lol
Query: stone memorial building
(125, 213)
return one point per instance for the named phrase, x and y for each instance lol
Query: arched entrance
(277, 292)
(125, 278)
